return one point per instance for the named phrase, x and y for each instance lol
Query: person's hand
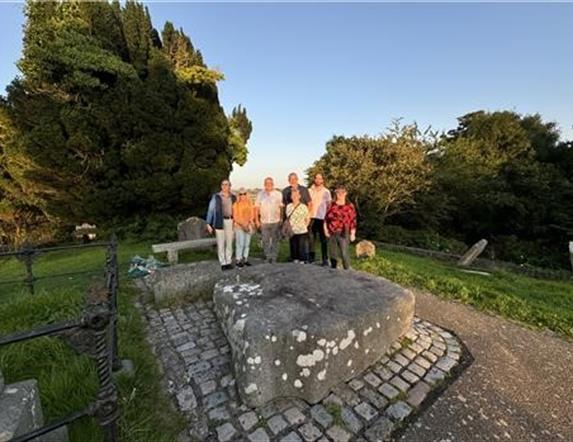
(209, 229)
(352, 236)
(327, 234)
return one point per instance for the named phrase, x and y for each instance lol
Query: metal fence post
(28, 257)
(112, 273)
(99, 319)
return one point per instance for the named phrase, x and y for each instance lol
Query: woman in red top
(340, 227)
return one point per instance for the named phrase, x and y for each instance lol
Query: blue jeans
(242, 244)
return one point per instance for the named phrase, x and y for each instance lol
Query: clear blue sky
(308, 71)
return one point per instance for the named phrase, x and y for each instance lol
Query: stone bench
(173, 248)
(299, 330)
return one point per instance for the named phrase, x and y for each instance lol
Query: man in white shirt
(321, 199)
(268, 217)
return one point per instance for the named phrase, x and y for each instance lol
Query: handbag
(286, 228)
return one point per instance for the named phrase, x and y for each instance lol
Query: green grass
(67, 380)
(537, 302)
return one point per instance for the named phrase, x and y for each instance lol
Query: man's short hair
(291, 175)
(268, 179)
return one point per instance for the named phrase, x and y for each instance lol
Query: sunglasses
(242, 194)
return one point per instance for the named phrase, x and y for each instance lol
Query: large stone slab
(192, 228)
(299, 330)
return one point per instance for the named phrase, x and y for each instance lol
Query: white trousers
(225, 242)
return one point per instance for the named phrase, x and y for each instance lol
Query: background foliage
(500, 175)
(109, 122)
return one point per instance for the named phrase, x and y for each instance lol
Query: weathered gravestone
(301, 330)
(192, 228)
(472, 253)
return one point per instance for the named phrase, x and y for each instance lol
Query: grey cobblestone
(294, 416)
(389, 391)
(215, 399)
(321, 415)
(291, 437)
(277, 424)
(366, 411)
(248, 420)
(372, 379)
(399, 411)
(400, 383)
(374, 398)
(309, 432)
(418, 393)
(259, 435)
(225, 432)
(338, 434)
(351, 421)
(380, 430)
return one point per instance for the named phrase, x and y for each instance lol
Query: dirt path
(520, 386)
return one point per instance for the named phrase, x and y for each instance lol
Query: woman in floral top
(340, 227)
(299, 218)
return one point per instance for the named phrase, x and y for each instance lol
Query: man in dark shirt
(293, 184)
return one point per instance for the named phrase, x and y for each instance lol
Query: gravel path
(519, 387)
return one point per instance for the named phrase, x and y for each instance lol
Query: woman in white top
(299, 217)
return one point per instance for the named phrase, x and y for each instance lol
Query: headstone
(365, 249)
(192, 228)
(301, 330)
(21, 412)
(472, 253)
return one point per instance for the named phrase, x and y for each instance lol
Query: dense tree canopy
(108, 121)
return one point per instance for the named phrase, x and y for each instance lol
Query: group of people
(303, 215)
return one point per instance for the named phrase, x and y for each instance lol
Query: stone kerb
(297, 331)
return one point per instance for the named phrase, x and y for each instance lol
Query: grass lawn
(537, 302)
(68, 381)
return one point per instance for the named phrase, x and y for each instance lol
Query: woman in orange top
(244, 221)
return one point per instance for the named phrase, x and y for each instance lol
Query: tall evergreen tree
(108, 122)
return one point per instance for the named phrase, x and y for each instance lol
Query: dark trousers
(299, 247)
(339, 242)
(316, 230)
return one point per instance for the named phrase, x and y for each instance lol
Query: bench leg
(173, 256)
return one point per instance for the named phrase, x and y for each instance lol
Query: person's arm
(325, 224)
(235, 214)
(210, 218)
(352, 223)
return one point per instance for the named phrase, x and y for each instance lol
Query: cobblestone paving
(196, 360)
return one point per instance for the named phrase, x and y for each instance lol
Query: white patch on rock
(285, 376)
(321, 342)
(305, 372)
(349, 363)
(367, 331)
(310, 359)
(299, 335)
(267, 337)
(321, 375)
(335, 350)
(330, 344)
(346, 341)
(298, 383)
(377, 325)
(257, 360)
(367, 351)
(277, 362)
(273, 338)
(239, 326)
(251, 388)
(356, 345)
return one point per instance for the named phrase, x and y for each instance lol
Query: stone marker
(472, 253)
(297, 330)
(193, 279)
(365, 249)
(192, 228)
